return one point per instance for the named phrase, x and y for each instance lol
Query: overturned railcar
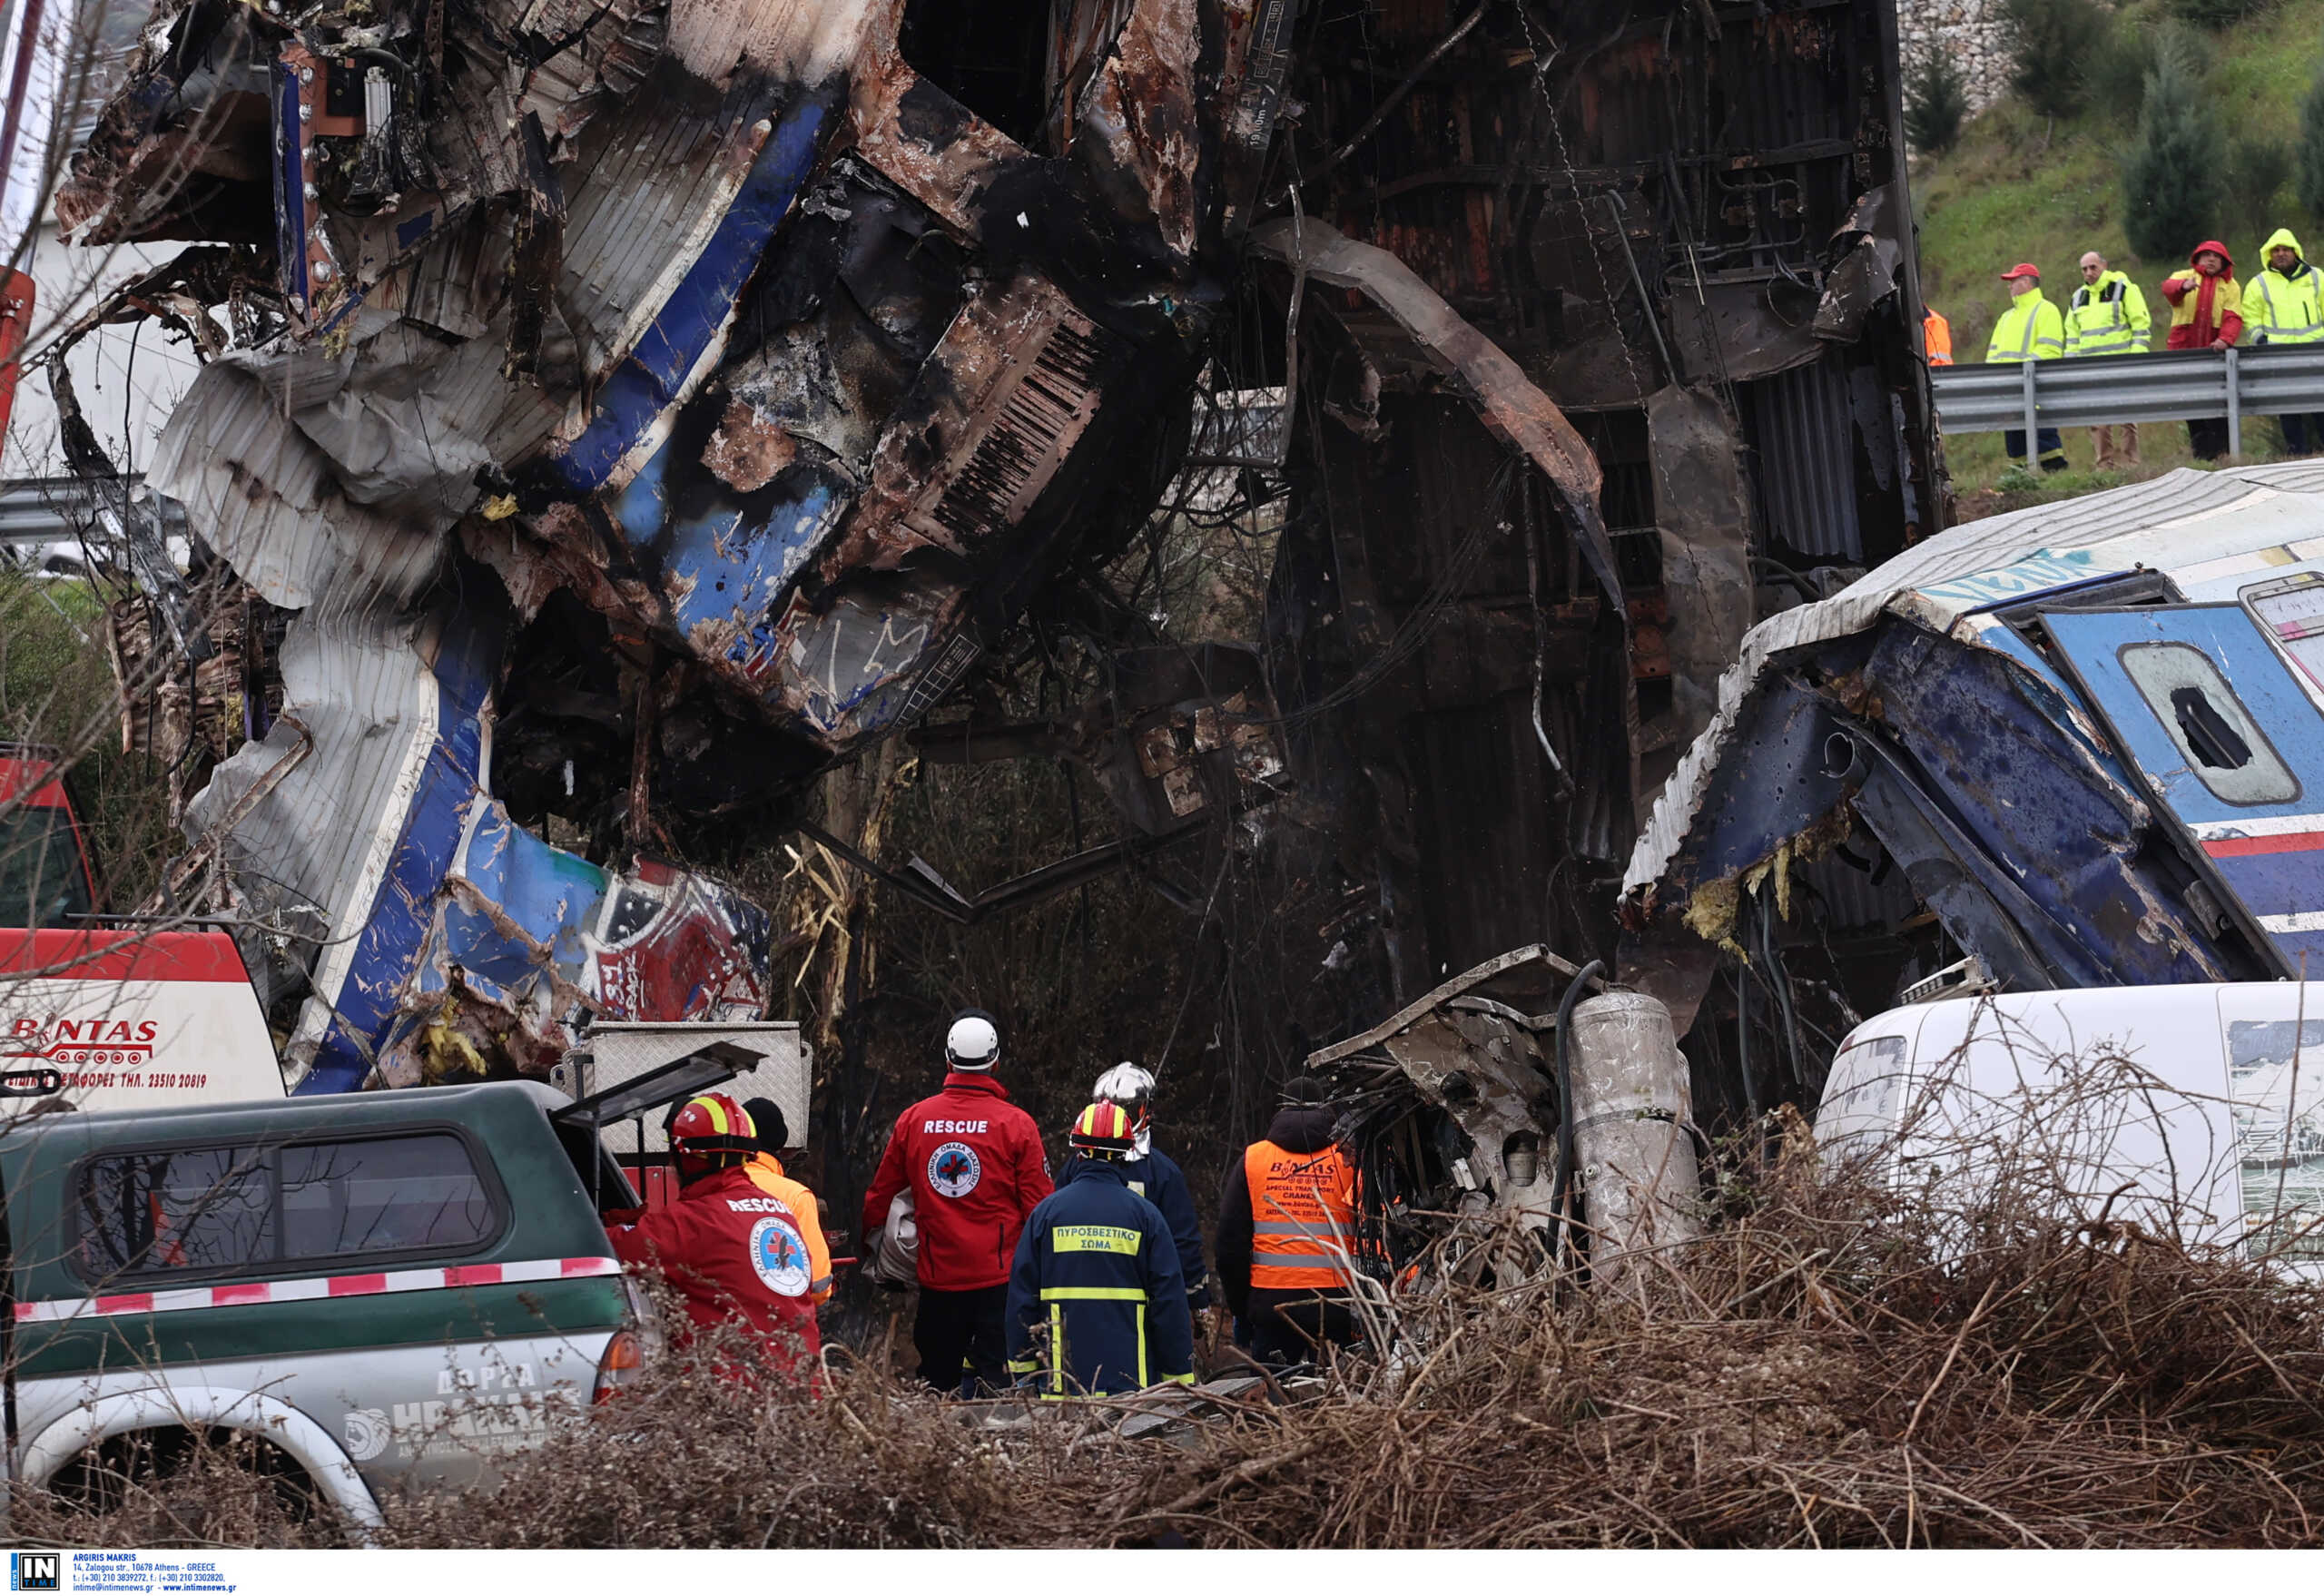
(2073, 746)
(616, 415)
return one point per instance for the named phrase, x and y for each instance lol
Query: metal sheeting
(1803, 428)
(1507, 401)
(260, 492)
(308, 818)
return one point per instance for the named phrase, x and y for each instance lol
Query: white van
(2192, 1110)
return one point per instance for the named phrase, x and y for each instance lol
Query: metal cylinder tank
(1633, 1150)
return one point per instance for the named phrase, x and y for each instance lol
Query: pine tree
(2311, 149)
(2173, 185)
(1936, 101)
(2051, 43)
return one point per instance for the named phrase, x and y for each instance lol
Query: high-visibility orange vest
(1936, 334)
(1303, 1217)
(766, 1174)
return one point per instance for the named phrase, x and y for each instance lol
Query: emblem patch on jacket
(779, 1255)
(954, 1169)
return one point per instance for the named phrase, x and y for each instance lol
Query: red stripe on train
(2281, 842)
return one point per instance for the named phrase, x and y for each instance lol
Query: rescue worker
(2030, 330)
(2108, 316)
(1286, 1231)
(2206, 314)
(1936, 337)
(731, 1250)
(766, 1172)
(1096, 1301)
(1155, 1175)
(2281, 306)
(973, 1160)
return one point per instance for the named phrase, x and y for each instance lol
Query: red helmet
(713, 1123)
(1103, 1131)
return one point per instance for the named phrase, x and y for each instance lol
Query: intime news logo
(36, 1571)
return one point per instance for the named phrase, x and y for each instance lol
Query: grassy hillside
(2022, 187)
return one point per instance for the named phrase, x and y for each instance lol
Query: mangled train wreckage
(2071, 746)
(613, 417)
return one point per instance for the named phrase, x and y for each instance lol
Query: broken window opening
(989, 55)
(2223, 747)
(2292, 612)
(2207, 732)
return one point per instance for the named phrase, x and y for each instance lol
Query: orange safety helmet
(711, 1124)
(1104, 1130)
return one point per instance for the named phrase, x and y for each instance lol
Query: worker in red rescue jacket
(973, 1161)
(2206, 314)
(731, 1250)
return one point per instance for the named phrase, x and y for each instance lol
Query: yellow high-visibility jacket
(2108, 317)
(2030, 330)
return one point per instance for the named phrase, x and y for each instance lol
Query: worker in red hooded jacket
(974, 1165)
(2206, 314)
(730, 1249)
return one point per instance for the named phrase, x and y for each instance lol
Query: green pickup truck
(387, 1287)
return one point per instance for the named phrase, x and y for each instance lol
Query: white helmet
(973, 1042)
(1132, 1088)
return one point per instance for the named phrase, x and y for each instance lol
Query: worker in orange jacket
(766, 1172)
(1286, 1233)
(1936, 337)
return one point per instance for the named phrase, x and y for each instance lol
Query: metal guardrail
(58, 509)
(2101, 391)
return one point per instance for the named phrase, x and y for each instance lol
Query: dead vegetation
(1832, 1366)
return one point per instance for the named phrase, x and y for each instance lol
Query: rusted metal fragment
(1867, 265)
(1514, 409)
(799, 41)
(1140, 137)
(1255, 58)
(1477, 1049)
(748, 449)
(1016, 381)
(927, 143)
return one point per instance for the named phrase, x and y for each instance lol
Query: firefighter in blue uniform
(1096, 1301)
(1155, 1175)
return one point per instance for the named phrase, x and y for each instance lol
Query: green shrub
(2257, 169)
(2052, 45)
(2311, 150)
(2117, 68)
(2217, 14)
(2173, 188)
(1936, 101)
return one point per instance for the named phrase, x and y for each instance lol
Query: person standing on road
(973, 1160)
(2206, 314)
(2281, 308)
(1096, 1304)
(2030, 330)
(2108, 316)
